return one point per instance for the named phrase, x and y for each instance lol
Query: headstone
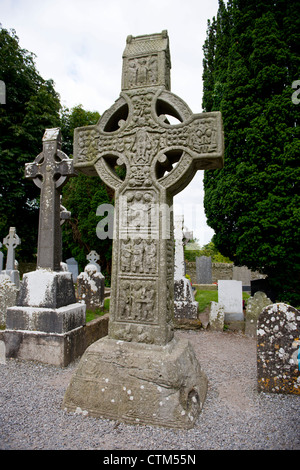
(278, 349)
(11, 241)
(185, 306)
(263, 285)
(8, 296)
(242, 273)
(230, 296)
(73, 267)
(90, 287)
(204, 270)
(255, 306)
(216, 316)
(140, 373)
(93, 258)
(46, 318)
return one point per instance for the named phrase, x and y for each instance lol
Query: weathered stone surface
(55, 349)
(204, 270)
(46, 289)
(50, 171)
(216, 316)
(158, 385)
(255, 306)
(11, 242)
(278, 349)
(185, 305)
(136, 134)
(90, 287)
(48, 320)
(8, 296)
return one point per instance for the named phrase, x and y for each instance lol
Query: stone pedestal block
(139, 383)
(45, 324)
(46, 289)
(59, 320)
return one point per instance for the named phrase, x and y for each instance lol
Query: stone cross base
(45, 323)
(138, 383)
(185, 305)
(54, 349)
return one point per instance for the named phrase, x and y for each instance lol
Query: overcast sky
(79, 44)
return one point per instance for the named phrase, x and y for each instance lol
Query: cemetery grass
(205, 297)
(92, 314)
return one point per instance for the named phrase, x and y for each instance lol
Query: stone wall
(220, 271)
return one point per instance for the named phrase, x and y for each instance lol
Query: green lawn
(204, 297)
(91, 315)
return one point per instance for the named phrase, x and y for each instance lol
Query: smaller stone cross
(50, 171)
(93, 257)
(11, 241)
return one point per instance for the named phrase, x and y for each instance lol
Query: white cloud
(79, 44)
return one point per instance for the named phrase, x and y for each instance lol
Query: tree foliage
(82, 195)
(250, 63)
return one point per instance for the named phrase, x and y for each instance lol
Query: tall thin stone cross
(50, 171)
(135, 133)
(11, 241)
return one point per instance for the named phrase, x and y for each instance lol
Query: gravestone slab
(231, 298)
(216, 316)
(73, 267)
(90, 287)
(8, 296)
(255, 306)
(136, 134)
(242, 273)
(204, 270)
(278, 349)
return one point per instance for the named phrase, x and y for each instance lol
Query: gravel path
(235, 416)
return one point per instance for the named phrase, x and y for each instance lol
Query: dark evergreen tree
(31, 106)
(253, 202)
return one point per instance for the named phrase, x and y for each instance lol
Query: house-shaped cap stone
(146, 61)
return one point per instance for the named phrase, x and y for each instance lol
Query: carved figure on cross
(50, 171)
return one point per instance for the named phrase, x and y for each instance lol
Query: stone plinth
(45, 323)
(139, 383)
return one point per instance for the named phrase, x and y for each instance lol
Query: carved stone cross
(50, 171)
(11, 241)
(159, 159)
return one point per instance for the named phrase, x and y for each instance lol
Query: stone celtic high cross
(135, 133)
(140, 372)
(50, 171)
